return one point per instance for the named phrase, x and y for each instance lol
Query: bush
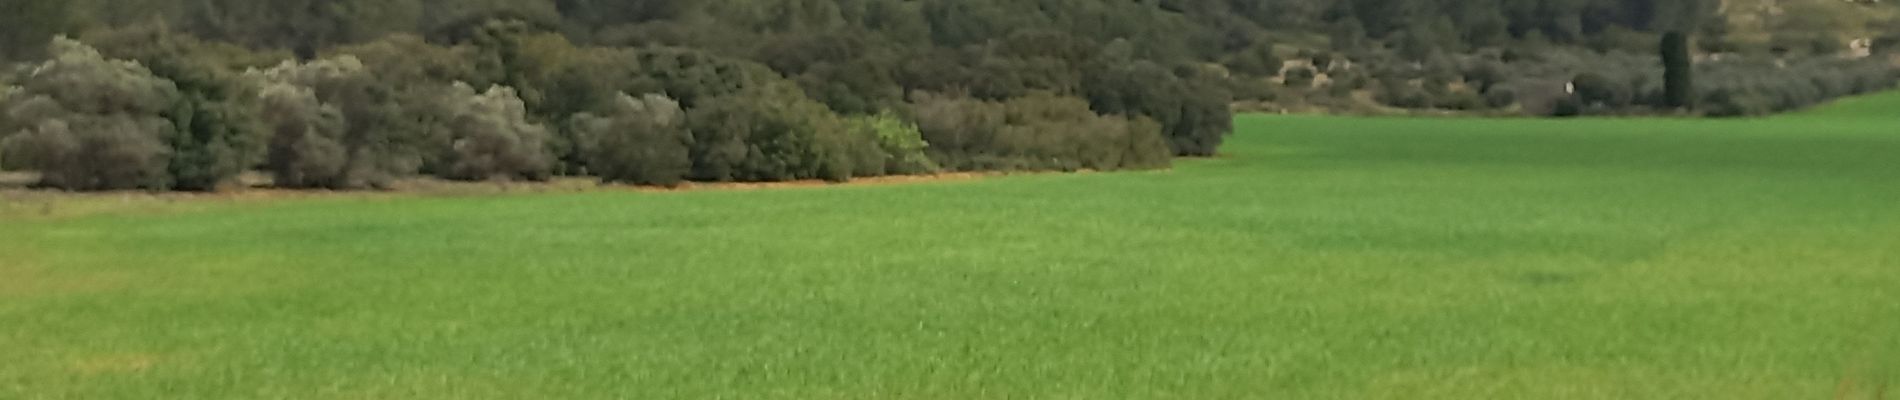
(1041, 131)
(1461, 101)
(769, 134)
(219, 135)
(900, 144)
(1742, 88)
(89, 123)
(334, 125)
(959, 130)
(641, 141)
(1567, 107)
(1594, 89)
(491, 138)
(1400, 93)
(1500, 97)
(306, 147)
(1192, 107)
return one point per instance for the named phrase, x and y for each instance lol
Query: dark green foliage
(27, 25)
(641, 141)
(1678, 71)
(1300, 77)
(1596, 89)
(1191, 107)
(216, 118)
(1567, 107)
(748, 74)
(1500, 97)
(1041, 131)
(1485, 74)
(1888, 44)
(770, 133)
(1255, 60)
(959, 130)
(216, 140)
(1744, 88)
(1401, 93)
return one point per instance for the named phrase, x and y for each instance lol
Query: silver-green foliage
(640, 140)
(491, 138)
(86, 122)
(334, 125)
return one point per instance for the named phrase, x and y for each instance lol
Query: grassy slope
(1325, 258)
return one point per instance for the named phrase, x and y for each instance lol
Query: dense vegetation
(1321, 258)
(357, 93)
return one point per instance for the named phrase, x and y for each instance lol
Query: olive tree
(491, 138)
(85, 122)
(334, 125)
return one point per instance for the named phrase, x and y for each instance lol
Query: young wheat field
(1318, 258)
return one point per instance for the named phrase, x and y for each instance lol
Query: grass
(1321, 258)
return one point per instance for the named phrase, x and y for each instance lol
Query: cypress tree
(1678, 71)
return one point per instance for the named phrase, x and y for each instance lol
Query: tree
(769, 133)
(216, 118)
(27, 25)
(641, 140)
(334, 125)
(1678, 71)
(86, 122)
(491, 138)
(900, 145)
(1191, 107)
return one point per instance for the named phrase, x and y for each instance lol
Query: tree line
(185, 94)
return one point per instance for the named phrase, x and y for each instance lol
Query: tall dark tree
(1678, 71)
(27, 25)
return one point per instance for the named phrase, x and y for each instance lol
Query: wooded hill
(183, 94)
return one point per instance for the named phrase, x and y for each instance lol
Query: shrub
(900, 144)
(1301, 77)
(1598, 90)
(334, 125)
(958, 130)
(1461, 100)
(491, 137)
(1567, 107)
(1192, 107)
(1485, 74)
(1041, 131)
(1400, 93)
(219, 135)
(640, 141)
(306, 148)
(89, 123)
(1053, 132)
(1500, 97)
(769, 134)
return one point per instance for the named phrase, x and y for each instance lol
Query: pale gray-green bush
(490, 137)
(90, 123)
(335, 125)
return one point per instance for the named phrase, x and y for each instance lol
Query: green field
(1321, 257)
